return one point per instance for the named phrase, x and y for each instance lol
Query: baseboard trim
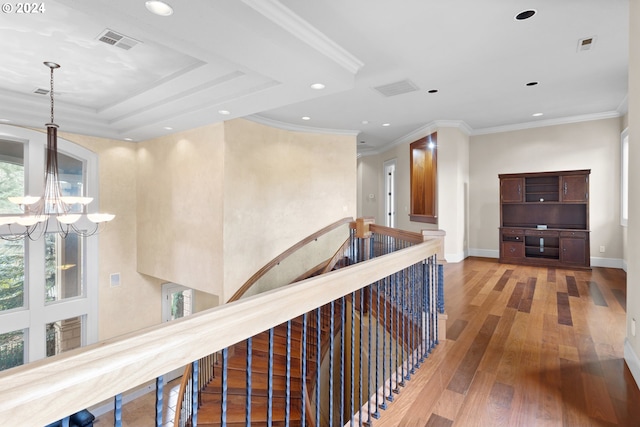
(633, 362)
(455, 257)
(595, 261)
(484, 253)
(607, 262)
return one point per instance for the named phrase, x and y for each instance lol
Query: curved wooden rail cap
(277, 260)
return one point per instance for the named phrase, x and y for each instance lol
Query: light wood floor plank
(535, 371)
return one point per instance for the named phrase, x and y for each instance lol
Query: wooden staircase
(209, 413)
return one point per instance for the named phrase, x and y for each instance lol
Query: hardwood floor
(526, 346)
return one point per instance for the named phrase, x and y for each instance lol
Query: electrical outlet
(601, 249)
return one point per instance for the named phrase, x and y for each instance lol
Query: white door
(390, 193)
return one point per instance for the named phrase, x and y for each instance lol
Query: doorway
(390, 193)
(177, 302)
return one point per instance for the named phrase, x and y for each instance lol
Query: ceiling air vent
(397, 88)
(113, 38)
(586, 44)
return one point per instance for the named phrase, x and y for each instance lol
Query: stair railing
(51, 389)
(404, 327)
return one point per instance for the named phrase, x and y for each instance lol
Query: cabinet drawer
(512, 232)
(512, 235)
(574, 234)
(541, 233)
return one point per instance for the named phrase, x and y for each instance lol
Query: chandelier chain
(51, 93)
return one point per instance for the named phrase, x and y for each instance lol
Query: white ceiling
(258, 58)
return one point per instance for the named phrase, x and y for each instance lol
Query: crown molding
(545, 123)
(421, 132)
(623, 107)
(429, 128)
(298, 128)
(294, 24)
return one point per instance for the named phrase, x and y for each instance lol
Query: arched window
(48, 287)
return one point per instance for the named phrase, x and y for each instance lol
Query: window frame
(36, 312)
(624, 177)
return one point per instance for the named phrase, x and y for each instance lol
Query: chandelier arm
(53, 205)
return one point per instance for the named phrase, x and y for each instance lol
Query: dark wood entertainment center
(544, 218)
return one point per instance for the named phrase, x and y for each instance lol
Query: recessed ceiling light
(5, 120)
(365, 122)
(532, 84)
(317, 86)
(433, 91)
(224, 112)
(525, 14)
(386, 124)
(158, 7)
(306, 118)
(168, 128)
(537, 114)
(128, 139)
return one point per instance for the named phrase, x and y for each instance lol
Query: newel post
(442, 315)
(363, 232)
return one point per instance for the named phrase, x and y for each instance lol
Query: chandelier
(67, 214)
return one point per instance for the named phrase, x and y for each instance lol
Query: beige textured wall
(591, 145)
(179, 220)
(280, 186)
(633, 273)
(120, 308)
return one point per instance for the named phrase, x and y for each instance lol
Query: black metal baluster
(331, 357)
(352, 351)
(270, 380)
(342, 352)
(225, 385)
(376, 414)
(117, 410)
(248, 382)
(303, 414)
(159, 400)
(370, 347)
(287, 418)
(318, 363)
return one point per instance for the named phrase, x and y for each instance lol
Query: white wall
(591, 145)
(632, 343)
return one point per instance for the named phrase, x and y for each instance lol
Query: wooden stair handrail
(184, 383)
(334, 259)
(409, 236)
(277, 260)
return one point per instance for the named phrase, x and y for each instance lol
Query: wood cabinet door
(573, 251)
(511, 190)
(574, 188)
(512, 250)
